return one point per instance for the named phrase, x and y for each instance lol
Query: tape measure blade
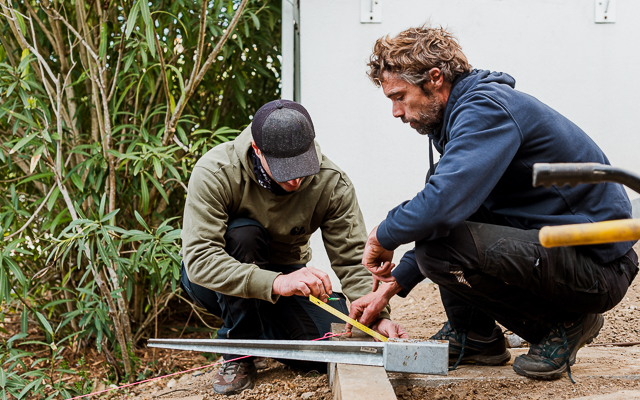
(345, 318)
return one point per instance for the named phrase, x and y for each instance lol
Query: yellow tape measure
(343, 317)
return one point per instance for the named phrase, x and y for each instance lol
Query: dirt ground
(422, 314)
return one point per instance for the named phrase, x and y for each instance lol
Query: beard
(429, 121)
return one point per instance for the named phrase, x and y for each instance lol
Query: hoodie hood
(470, 82)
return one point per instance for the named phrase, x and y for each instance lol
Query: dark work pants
(290, 318)
(509, 277)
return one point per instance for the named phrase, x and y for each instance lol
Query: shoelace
(566, 349)
(565, 345)
(464, 341)
(230, 368)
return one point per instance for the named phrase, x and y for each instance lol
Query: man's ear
(255, 148)
(436, 76)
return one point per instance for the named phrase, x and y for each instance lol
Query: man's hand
(390, 329)
(303, 282)
(377, 260)
(367, 308)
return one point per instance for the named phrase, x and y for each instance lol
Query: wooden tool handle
(598, 232)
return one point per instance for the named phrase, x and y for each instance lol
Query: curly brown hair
(413, 52)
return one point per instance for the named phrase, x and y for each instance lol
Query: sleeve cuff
(260, 285)
(383, 237)
(407, 273)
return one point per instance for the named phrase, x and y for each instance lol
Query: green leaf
(23, 142)
(35, 177)
(179, 75)
(23, 29)
(56, 302)
(157, 166)
(158, 186)
(47, 137)
(131, 21)
(144, 10)
(75, 178)
(27, 388)
(52, 199)
(145, 194)
(110, 215)
(103, 202)
(149, 28)
(141, 220)
(24, 321)
(103, 41)
(43, 321)
(151, 40)
(172, 102)
(255, 19)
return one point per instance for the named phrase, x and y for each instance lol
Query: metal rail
(411, 356)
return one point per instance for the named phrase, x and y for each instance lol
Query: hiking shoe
(467, 347)
(555, 354)
(234, 377)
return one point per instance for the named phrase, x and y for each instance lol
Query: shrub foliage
(105, 107)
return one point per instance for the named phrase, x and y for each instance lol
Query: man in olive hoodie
(252, 206)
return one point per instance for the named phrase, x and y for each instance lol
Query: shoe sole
(249, 385)
(497, 360)
(587, 337)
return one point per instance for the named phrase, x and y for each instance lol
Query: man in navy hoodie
(475, 224)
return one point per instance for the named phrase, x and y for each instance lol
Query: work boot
(234, 377)
(467, 347)
(555, 354)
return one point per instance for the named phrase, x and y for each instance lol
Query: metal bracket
(395, 355)
(370, 11)
(605, 11)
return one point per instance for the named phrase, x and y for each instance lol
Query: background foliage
(105, 107)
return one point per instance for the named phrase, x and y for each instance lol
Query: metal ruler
(345, 318)
(395, 355)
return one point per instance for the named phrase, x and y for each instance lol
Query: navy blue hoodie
(491, 136)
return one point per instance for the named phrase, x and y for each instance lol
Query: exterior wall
(552, 48)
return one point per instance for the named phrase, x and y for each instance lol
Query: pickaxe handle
(590, 233)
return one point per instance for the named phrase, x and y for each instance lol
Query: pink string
(326, 336)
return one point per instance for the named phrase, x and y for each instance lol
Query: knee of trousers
(431, 258)
(247, 243)
(435, 257)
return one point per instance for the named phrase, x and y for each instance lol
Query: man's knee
(247, 241)
(435, 257)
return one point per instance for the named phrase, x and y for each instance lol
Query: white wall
(553, 49)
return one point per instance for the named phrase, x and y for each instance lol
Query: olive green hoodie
(223, 186)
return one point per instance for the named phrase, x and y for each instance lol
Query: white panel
(287, 61)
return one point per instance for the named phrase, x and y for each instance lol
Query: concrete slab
(621, 395)
(358, 382)
(592, 362)
(361, 382)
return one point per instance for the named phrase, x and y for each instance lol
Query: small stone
(307, 395)
(172, 383)
(514, 341)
